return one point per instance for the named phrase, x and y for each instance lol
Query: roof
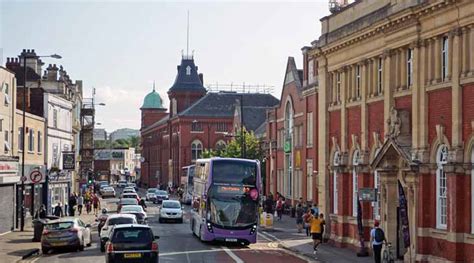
(120, 215)
(187, 78)
(131, 225)
(261, 130)
(152, 100)
(222, 104)
(254, 117)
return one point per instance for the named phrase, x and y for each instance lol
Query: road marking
(8, 232)
(232, 255)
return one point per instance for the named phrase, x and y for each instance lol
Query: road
(177, 244)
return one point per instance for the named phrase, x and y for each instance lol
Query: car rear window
(129, 202)
(171, 205)
(129, 196)
(59, 225)
(161, 193)
(132, 235)
(120, 221)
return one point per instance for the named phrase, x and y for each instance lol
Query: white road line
(8, 232)
(232, 255)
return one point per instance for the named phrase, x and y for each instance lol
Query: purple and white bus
(225, 200)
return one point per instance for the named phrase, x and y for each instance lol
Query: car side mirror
(157, 237)
(88, 225)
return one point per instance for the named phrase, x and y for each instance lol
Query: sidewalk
(286, 234)
(16, 244)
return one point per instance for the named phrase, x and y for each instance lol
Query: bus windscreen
(232, 172)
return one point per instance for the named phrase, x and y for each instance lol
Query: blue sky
(121, 47)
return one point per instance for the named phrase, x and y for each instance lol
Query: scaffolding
(240, 88)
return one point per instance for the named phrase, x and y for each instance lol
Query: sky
(120, 48)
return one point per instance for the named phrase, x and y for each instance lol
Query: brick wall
(467, 111)
(335, 126)
(376, 120)
(439, 112)
(354, 125)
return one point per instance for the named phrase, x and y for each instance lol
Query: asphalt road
(177, 244)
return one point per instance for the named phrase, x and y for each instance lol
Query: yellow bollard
(269, 221)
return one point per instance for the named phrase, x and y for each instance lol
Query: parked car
(112, 221)
(131, 195)
(136, 210)
(132, 243)
(65, 233)
(171, 210)
(126, 201)
(107, 192)
(122, 183)
(151, 194)
(128, 190)
(160, 196)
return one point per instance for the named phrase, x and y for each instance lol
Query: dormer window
(188, 70)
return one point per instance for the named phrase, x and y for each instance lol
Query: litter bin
(38, 225)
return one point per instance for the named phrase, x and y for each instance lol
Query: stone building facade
(395, 118)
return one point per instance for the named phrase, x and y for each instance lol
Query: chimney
(32, 61)
(52, 72)
(201, 77)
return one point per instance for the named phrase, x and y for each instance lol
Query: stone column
(415, 102)
(334, 87)
(437, 59)
(423, 72)
(389, 203)
(343, 129)
(323, 142)
(429, 67)
(397, 69)
(465, 51)
(364, 93)
(374, 76)
(471, 50)
(456, 88)
(387, 86)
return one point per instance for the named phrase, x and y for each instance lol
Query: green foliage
(132, 141)
(233, 148)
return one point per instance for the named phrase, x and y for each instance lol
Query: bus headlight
(253, 229)
(209, 228)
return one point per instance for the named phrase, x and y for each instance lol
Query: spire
(187, 38)
(153, 85)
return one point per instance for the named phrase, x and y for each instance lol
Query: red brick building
(394, 94)
(197, 120)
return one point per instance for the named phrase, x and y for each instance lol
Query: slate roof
(260, 131)
(185, 82)
(222, 104)
(254, 117)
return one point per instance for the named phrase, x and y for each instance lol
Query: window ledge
(30, 152)
(197, 131)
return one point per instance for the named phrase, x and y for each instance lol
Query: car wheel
(160, 220)
(44, 250)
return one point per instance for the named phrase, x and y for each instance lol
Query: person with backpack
(299, 217)
(279, 208)
(377, 238)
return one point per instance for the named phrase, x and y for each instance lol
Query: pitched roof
(222, 104)
(187, 78)
(254, 117)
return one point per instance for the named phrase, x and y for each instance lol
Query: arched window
(288, 148)
(335, 197)
(220, 145)
(376, 204)
(355, 181)
(441, 187)
(196, 150)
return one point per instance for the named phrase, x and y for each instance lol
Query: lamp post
(22, 196)
(242, 137)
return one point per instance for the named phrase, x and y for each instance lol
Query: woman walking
(299, 217)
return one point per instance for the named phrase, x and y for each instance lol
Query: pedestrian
(306, 217)
(41, 213)
(58, 210)
(315, 225)
(80, 204)
(96, 204)
(323, 224)
(71, 204)
(269, 204)
(279, 208)
(377, 238)
(299, 217)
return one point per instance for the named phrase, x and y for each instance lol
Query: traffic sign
(36, 176)
(24, 178)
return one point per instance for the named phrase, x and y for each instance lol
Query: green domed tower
(152, 108)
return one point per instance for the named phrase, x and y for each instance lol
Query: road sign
(24, 178)
(36, 176)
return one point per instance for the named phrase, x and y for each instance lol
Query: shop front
(8, 184)
(59, 189)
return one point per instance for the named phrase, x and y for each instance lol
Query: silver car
(107, 192)
(65, 233)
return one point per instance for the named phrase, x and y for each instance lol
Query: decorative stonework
(394, 124)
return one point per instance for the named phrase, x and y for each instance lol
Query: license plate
(231, 240)
(132, 255)
(59, 244)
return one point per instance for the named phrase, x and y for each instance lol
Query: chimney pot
(33, 51)
(8, 60)
(24, 50)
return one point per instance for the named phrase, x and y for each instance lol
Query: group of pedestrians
(88, 199)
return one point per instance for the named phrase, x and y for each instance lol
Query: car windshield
(108, 188)
(152, 190)
(132, 235)
(131, 208)
(232, 208)
(129, 201)
(171, 205)
(161, 192)
(234, 172)
(120, 221)
(59, 225)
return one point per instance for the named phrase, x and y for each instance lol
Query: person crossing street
(315, 226)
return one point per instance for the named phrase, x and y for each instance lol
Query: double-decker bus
(225, 200)
(187, 177)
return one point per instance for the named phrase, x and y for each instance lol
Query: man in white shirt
(80, 204)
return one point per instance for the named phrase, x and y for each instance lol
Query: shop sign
(367, 194)
(69, 160)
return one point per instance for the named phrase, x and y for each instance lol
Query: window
(196, 126)
(221, 127)
(409, 67)
(188, 70)
(40, 146)
(338, 87)
(444, 59)
(310, 71)
(288, 120)
(357, 91)
(1, 124)
(289, 174)
(355, 182)
(55, 118)
(6, 142)
(196, 150)
(335, 198)
(20, 139)
(309, 129)
(309, 179)
(379, 77)
(220, 145)
(441, 187)
(7, 94)
(31, 140)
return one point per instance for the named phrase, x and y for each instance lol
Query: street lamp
(22, 196)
